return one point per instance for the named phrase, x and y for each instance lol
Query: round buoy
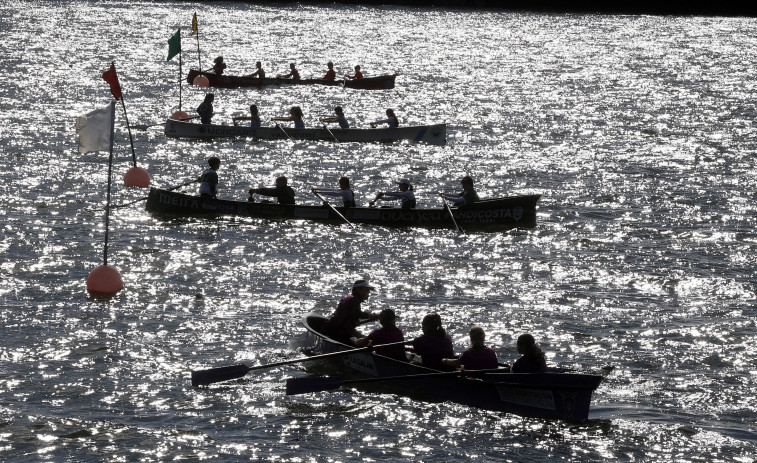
(137, 176)
(178, 115)
(104, 279)
(201, 81)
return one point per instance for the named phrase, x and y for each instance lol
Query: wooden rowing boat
(227, 81)
(489, 215)
(434, 134)
(556, 394)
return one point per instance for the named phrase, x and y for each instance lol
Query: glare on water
(636, 130)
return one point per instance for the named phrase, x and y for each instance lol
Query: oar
(449, 211)
(318, 384)
(216, 375)
(330, 132)
(144, 127)
(285, 132)
(142, 199)
(331, 207)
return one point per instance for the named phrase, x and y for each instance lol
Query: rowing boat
(226, 81)
(488, 215)
(556, 394)
(434, 134)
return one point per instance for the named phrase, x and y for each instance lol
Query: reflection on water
(636, 131)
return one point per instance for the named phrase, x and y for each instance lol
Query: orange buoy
(178, 115)
(104, 279)
(137, 176)
(201, 81)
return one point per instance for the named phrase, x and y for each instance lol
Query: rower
(344, 192)
(209, 179)
(254, 117)
(467, 196)
(295, 115)
(357, 75)
(391, 120)
(532, 358)
(388, 333)
(434, 344)
(330, 73)
(260, 73)
(282, 191)
(293, 74)
(218, 65)
(339, 118)
(405, 195)
(477, 356)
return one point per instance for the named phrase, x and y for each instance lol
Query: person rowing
(339, 118)
(218, 65)
(344, 192)
(283, 192)
(254, 117)
(209, 179)
(387, 334)
(391, 120)
(295, 115)
(467, 196)
(357, 75)
(260, 72)
(477, 357)
(293, 74)
(405, 195)
(330, 73)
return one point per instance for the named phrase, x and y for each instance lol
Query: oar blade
(216, 375)
(312, 384)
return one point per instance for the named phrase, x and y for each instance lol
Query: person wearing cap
(391, 120)
(341, 326)
(282, 191)
(405, 195)
(388, 333)
(209, 179)
(434, 344)
(477, 356)
(468, 195)
(205, 110)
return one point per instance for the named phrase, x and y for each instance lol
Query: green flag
(174, 45)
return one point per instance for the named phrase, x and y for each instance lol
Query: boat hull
(433, 134)
(490, 215)
(385, 82)
(553, 395)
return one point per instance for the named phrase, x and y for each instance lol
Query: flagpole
(196, 30)
(181, 73)
(110, 169)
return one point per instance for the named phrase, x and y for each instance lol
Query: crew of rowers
(285, 194)
(296, 116)
(433, 349)
(219, 66)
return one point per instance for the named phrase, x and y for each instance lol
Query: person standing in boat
(434, 344)
(341, 326)
(477, 356)
(259, 72)
(532, 358)
(218, 65)
(339, 118)
(283, 192)
(405, 195)
(294, 74)
(295, 115)
(391, 120)
(205, 110)
(388, 333)
(209, 179)
(468, 195)
(330, 72)
(357, 75)
(344, 192)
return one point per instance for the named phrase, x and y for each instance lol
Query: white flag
(95, 130)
